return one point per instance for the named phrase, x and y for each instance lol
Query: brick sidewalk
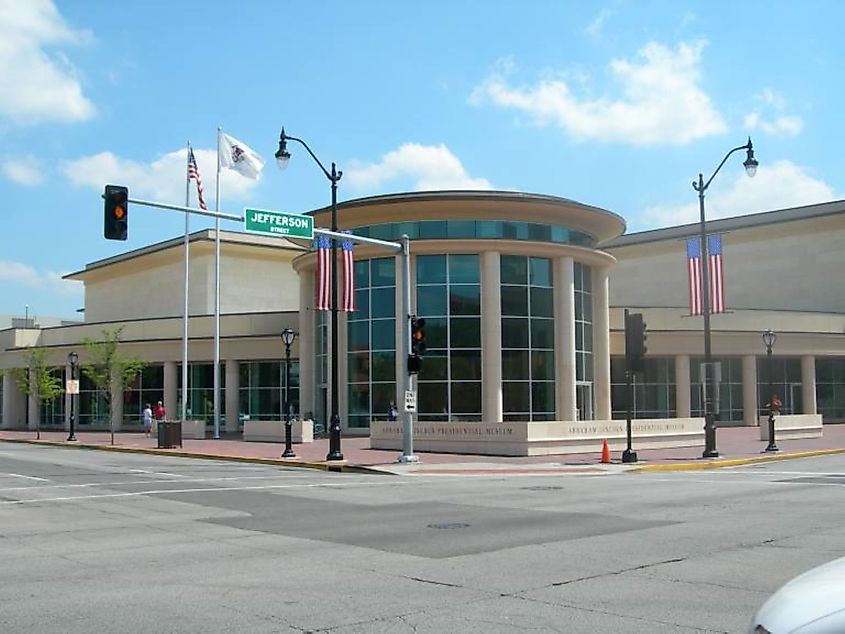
(734, 444)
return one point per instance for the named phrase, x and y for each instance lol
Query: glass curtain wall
(321, 372)
(93, 405)
(786, 383)
(148, 387)
(730, 389)
(262, 390)
(654, 389)
(372, 342)
(449, 298)
(528, 367)
(201, 392)
(583, 341)
(52, 413)
(830, 389)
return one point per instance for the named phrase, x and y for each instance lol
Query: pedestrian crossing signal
(418, 336)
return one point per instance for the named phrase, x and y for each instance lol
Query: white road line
(18, 475)
(156, 473)
(75, 498)
(135, 482)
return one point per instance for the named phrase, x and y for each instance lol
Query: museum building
(523, 296)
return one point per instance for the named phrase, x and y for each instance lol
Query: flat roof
(723, 225)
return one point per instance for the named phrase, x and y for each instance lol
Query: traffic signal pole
(408, 383)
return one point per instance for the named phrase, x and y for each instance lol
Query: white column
(564, 312)
(491, 338)
(601, 342)
(117, 401)
(171, 390)
(808, 384)
(14, 404)
(10, 396)
(749, 390)
(682, 386)
(233, 390)
(34, 405)
(306, 344)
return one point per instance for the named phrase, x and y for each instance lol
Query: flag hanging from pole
(715, 275)
(237, 155)
(324, 274)
(194, 174)
(348, 275)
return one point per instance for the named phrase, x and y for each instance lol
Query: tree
(37, 379)
(107, 362)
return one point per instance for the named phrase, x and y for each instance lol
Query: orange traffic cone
(605, 453)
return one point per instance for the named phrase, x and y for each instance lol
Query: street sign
(410, 401)
(72, 386)
(279, 223)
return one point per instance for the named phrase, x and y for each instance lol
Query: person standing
(159, 412)
(391, 411)
(148, 419)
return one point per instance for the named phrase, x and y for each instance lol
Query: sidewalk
(736, 445)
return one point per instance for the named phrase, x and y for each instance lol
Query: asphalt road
(105, 542)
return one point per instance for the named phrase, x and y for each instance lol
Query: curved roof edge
(606, 224)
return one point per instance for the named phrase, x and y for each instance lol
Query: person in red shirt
(159, 412)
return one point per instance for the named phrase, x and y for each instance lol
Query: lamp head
(769, 338)
(73, 358)
(288, 336)
(750, 162)
(282, 154)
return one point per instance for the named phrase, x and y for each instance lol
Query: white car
(813, 602)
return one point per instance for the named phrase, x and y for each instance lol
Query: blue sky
(616, 104)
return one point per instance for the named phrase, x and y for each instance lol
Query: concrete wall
(784, 266)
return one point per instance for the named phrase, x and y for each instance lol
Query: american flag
(194, 173)
(348, 276)
(324, 274)
(715, 275)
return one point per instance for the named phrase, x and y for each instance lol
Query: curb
(735, 462)
(337, 467)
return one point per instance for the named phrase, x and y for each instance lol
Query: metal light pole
(288, 337)
(73, 359)
(282, 158)
(700, 186)
(769, 338)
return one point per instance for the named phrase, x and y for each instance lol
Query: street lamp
(769, 338)
(700, 186)
(288, 337)
(282, 158)
(73, 359)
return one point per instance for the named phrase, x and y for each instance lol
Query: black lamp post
(73, 359)
(769, 338)
(700, 186)
(288, 337)
(282, 158)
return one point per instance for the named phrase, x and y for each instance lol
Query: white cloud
(776, 124)
(779, 185)
(27, 276)
(162, 180)
(430, 167)
(595, 27)
(23, 170)
(36, 87)
(661, 103)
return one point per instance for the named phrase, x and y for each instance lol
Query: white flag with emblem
(238, 156)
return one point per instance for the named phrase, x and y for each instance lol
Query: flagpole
(217, 297)
(185, 312)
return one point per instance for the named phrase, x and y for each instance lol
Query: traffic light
(418, 336)
(417, 345)
(115, 221)
(635, 338)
